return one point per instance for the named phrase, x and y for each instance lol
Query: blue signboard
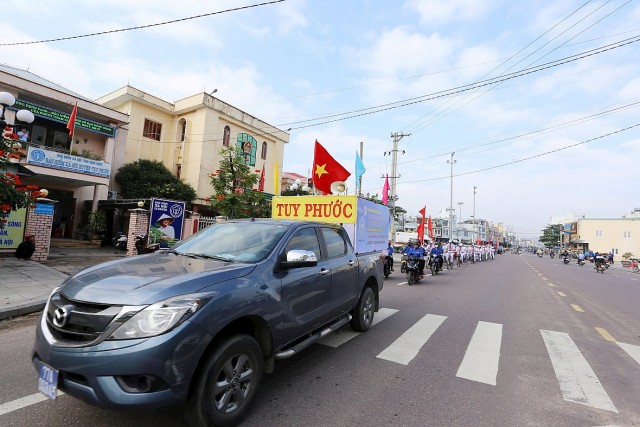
(372, 227)
(165, 225)
(53, 159)
(43, 209)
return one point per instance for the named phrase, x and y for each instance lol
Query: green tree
(13, 194)
(144, 179)
(233, 185)
(551, 235)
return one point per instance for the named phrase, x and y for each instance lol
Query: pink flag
(385, 190)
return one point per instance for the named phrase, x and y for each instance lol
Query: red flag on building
(326, 170)
(261, 182)
(385, 190)
(430, 227)
(423, 212)
(71, 124)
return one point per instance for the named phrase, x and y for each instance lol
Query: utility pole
(474, 215)
(460, 211)
(360, 178)
(394, 175)
(451, 162)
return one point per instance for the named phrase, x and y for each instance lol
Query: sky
(538, 100)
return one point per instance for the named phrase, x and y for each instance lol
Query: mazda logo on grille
(60, 317)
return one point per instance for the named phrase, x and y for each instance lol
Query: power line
(527, 158)
(139, 27)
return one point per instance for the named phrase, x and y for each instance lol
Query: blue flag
(360, 169)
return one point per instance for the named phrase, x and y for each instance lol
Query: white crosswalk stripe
(632, 350)
(407, 346)
(345, 334)
(578, 382)
(480, 362)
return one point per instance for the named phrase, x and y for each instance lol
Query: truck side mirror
(297, 258)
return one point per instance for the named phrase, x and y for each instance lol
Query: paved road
(515, 341)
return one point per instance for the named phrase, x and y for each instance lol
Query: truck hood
(146, 279)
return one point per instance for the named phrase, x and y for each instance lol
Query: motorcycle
(580, 262)
(434, 263)
(413, 270)
(566, 259)
(387, 266)
(552, 255)
(142, 245)
(120, 241)
(539, 254)
(601, 266)
(403, 264)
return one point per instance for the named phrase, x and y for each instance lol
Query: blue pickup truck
(202, 322)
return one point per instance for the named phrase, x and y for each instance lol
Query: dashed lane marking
(606, 335)
(577, 308)
(562, 294)
(552, 285)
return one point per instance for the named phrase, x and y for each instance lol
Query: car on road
(202, 322)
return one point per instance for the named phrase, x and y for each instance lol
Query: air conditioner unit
(112, 195)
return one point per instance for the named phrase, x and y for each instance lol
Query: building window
(227, 136)
(152, 129)
(627, 233)
(263, 154)
(183, 129)
(598, 233)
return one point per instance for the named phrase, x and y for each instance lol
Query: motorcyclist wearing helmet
(418, 252)
(390, 255)
(437, 250)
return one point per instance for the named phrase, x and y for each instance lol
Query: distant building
(620, 235)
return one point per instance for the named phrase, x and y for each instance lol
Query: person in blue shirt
(390, 255)
(418, 252)
(437, 250)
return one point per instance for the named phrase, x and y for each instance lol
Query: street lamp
(460, 211)
(451, 199)
(23, 116)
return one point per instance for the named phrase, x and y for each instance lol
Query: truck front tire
(364, 311)
(228, 384)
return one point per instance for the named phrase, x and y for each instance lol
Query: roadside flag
(423, 212)
(385, 190)
(71, 124)
(430, 227)
(276, 180)
(261, 181)
(360, 170)
(326, 170)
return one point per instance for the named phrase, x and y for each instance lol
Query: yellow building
(620, 235)
(186, 136)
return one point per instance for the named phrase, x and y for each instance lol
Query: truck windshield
(234, 241)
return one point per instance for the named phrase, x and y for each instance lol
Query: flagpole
(360, 178)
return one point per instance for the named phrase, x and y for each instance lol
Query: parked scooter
(120, 241)
(413, 270)
(142, 245)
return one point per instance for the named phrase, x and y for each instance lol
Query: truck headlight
(161, 317)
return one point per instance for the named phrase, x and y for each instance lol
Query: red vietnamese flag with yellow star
(326, 170)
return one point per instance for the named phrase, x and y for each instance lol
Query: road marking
(544, 278)
(23, 402)
(577, 308)
(632, 350)
(606, 335)
(552, 285)
(539, 274)
(407, 346)
(480, 362)
(344, 334)
(562, 294)
(401, 283)
(578, 382)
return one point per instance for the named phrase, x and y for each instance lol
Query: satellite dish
(338, 187)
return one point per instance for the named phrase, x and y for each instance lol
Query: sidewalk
(25, 285)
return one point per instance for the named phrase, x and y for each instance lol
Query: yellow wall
(605, 235)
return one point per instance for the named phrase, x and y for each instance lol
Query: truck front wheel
(363, 313)
(228, 384)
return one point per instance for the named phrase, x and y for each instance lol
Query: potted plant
(97, 224)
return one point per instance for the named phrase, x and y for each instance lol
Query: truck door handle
(323, 271)
(351, 263)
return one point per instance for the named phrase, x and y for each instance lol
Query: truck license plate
(48, 381)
